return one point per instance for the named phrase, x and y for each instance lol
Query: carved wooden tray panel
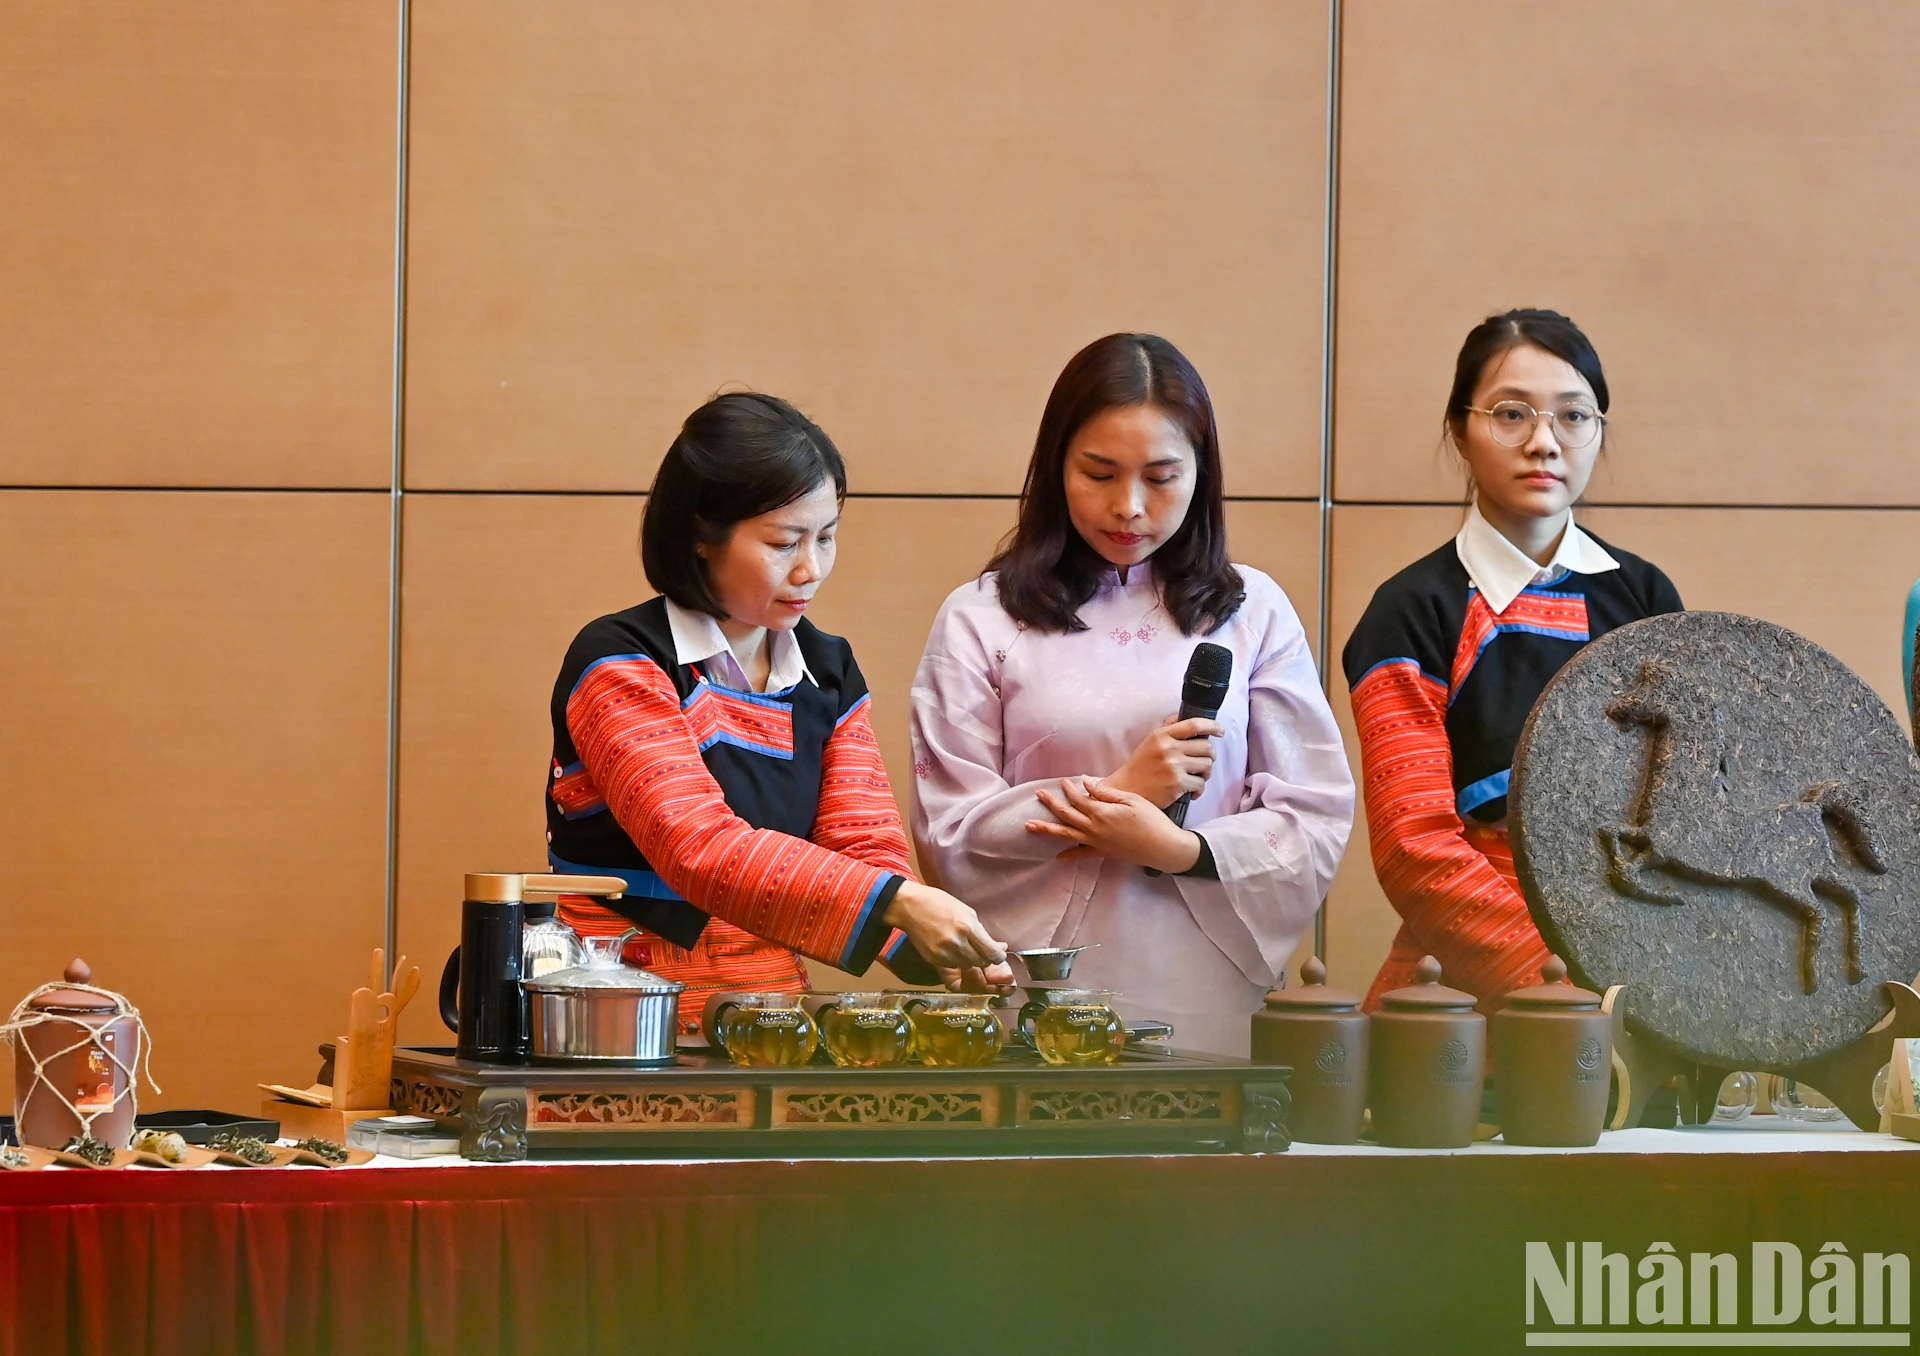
(1159, 1102)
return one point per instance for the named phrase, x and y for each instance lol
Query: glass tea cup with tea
(956, 1029)
(769, 1030)
(867, 1030)
(1079, 1026)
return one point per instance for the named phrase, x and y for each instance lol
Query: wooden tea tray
(707, 1107)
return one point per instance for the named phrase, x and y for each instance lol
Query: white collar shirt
(1501, 570)
(698, 639)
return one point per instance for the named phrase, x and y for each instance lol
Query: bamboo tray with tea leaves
(1151, 1101)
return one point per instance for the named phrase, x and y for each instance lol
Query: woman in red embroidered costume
(714, 749)
(1450, 655)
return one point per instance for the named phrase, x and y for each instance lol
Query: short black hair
(738, 456)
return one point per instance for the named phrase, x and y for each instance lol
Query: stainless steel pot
(604, 1012)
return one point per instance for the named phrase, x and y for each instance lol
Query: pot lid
(74, 1000)
(604, 971)
(1557, 992)
(601, 978)
(1313, 993)
(1427, 993)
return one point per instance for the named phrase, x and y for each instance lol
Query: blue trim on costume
(728, 737)
(767, 699)
(609, 659)
(860, 922)
(640, 884)
(1519, 628)
(725, 736)
(1437, 682)
(1481, 792)
(598, 807)
(851, 709)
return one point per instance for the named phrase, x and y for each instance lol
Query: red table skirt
(1293, 1252)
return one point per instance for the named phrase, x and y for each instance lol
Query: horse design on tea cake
(1720, 816)
(1687, 822)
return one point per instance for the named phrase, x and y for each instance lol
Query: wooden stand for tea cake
(1844, 1077)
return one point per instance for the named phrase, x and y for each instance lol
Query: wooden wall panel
(903, 216)
(193, 765)
(1837, 576)
(1283, 539)
(1710, 189)
(197, 247)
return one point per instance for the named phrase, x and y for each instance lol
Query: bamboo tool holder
(1844, 1076)
(363, 1060)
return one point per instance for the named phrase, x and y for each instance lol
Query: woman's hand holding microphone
(1174, 761)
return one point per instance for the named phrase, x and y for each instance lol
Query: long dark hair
(1047, 572)
(738, 456)
(1497, 334)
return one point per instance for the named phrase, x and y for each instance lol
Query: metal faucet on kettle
(480, 996)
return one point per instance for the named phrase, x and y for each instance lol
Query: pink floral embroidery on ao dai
(999, 711)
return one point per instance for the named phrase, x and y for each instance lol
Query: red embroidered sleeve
(625, 720)
(858, 814)
(1456, 904)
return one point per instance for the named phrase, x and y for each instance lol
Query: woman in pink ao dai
(1044, 747)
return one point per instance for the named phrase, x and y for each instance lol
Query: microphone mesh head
(1208, 673)
(1211, 664)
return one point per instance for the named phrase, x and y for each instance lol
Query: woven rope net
(25, 1016)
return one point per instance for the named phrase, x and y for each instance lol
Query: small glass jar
(1079, 1026)
(769, 1030)
(956, 1029)
(866, 1030)
(1798, 1102)
(1739, 1094)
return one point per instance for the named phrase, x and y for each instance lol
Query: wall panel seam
(1665, 506)
(1329, 315)
(1328, 319)
(418, 493)
(396, 488)
(194, 489)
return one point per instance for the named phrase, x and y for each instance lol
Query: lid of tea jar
(74, 1000)
(1557, 992)
(1427, 993)
(1313, 993)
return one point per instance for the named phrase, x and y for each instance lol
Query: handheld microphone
(1209, 672)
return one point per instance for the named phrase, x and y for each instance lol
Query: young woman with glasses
(1450, 655)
